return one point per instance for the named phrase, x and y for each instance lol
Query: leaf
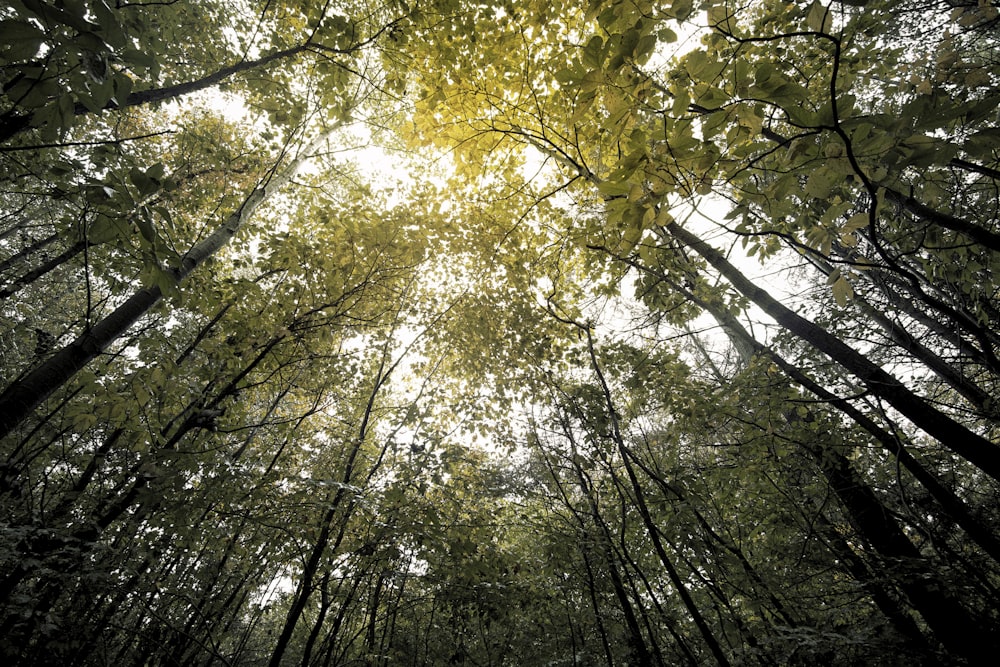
(819, 17)
(142, 180)
(666, 35)
(593, 52)
(103, 229)
(67, 112)
(566, 76)
(19, 40)
(644, 49)
(681, 9)
(89, 102)
(34, 93)
(614, 188)
(122, 86)
(84, 421)
(855, 222)
(592, 80)
(842, 291)
(140, 59)
(821, 182)
(145, 225)
(142, 395)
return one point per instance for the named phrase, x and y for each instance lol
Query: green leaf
(645, 47)
(103, 229)
(146, 184)
(666, 35)
(821, 182)
(566, 76)
(681, 9)
(142, 395)
(34, 93)
(19, 41)
(122, 86)
(89, 102)
(819, 18)
(855, 222)
(140, 59)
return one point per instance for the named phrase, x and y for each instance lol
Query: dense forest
(512, 332)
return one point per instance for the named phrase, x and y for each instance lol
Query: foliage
(531, 333)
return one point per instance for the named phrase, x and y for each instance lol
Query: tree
(536, 333)
(767, 110)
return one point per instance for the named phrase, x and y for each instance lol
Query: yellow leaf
(855, 222)
(842, 291)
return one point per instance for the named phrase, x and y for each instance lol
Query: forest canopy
(436, 332)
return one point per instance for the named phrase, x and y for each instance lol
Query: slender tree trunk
(651, 529)
(584, 554)
(902, 296)
(639, 652)
(971, 446)
(324, 609)
(631, 571)
(371, 631)
(20, 256)
(20, 399)
(26, 279)
(17, 124)
(595, 604)
(951, 623)
(654, 596)
(951, 503)
(947, 372)
(305, 586)
(881, 590)
(669, 490)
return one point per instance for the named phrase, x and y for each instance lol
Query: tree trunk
(647, 519)
(19, 123)
(309, 572)
(20, 399)
(971, 446)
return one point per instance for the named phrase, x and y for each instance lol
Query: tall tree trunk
(956, 629)
(707, 635)
(19, 400)
(971, 446)
(954, 506)
(951, 623)
(639, 653)
(27, 251)
(31, 276)
(17, 124)
(310, 570)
